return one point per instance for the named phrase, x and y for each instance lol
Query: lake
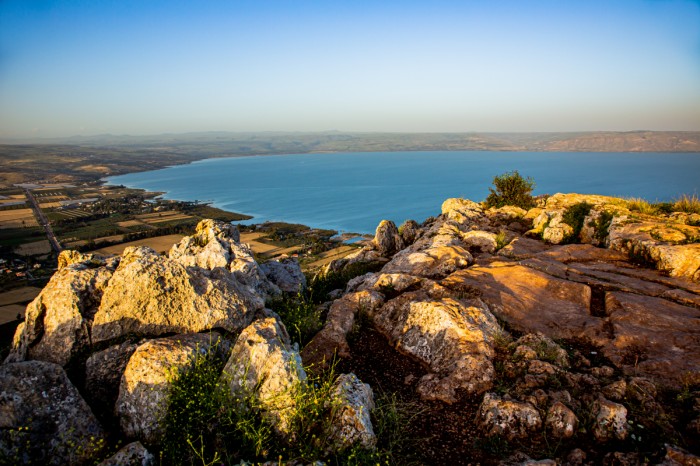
(352, 192)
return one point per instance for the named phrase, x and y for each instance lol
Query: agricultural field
(17, 218)
(157, 243)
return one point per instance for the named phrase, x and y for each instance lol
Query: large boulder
(151, 295)
(57, 322)
(454, 339)
(409, 231)
(463, 213)
(147, 380)
(432, 262)
(43, 418)
(387, 240)
(286, 274)
(103, 374)
(265, 368)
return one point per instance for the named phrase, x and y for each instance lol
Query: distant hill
(232, 143)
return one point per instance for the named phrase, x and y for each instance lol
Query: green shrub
(511, 189)
(602, 225)
(574, 216)
(637, 204)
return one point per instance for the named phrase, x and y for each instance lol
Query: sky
(85, 67)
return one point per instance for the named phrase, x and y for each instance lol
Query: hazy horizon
(135, 68)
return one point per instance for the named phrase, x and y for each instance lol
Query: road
(43, 221)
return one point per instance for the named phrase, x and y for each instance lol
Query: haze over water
(354, 191)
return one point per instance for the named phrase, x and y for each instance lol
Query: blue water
(354, 191)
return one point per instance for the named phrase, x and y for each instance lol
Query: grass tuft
(687, 203)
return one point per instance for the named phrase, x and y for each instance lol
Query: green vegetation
(301, 316)
(501, 240)
(574, 216)
(322, 284)
(637, 204)
(206, 424)
(511, 189)
(602, 225)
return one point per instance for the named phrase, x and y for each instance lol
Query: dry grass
(687, 203)
(637, 204)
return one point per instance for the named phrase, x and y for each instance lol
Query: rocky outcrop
(286, 274)
(145, 384)
(43, 418)
(151, 295)
(454, 339)
(103, 374)
(264, 368)
(409, 231)
(57, 323)
(351, 406)
(210, 282)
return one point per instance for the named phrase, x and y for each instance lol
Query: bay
(352, 192)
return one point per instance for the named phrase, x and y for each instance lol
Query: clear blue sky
(154, 66)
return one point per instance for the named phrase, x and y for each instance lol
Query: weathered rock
(507, 418)
(610, 420)
(146, 382)
(152, 295)
(103, 374)
(432, 262)
(615, 391)
(57, 322)
(216, 247)
(452, 338)
(463, 212)
(351, 405)
(484, 241)
(522, 248)
(387, 239)
(331, 340)
(653, 337)
(530, 300)
(561, 421)
(264, 365)
(365, 257)
(286, 274)
(133, 454)
(43, 419)
(639, 240)
(409, 230)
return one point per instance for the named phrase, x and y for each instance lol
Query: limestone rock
(103, 374)
(216, 245)
(286, 274)
(484, 241)
(610, 420)
(366, 257)
(653, 337)
(146, 382)
(409, 230)
(452, 338)
(331, 339)
(133, 454)
(387, 239)
(432, 262)
(151, 295)
(561, 421)
(57, 322)
(545, 348)
(41, 408)
(530, 300)
(263, 364)
(463, 212)
(507, 418)
(352, 404)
